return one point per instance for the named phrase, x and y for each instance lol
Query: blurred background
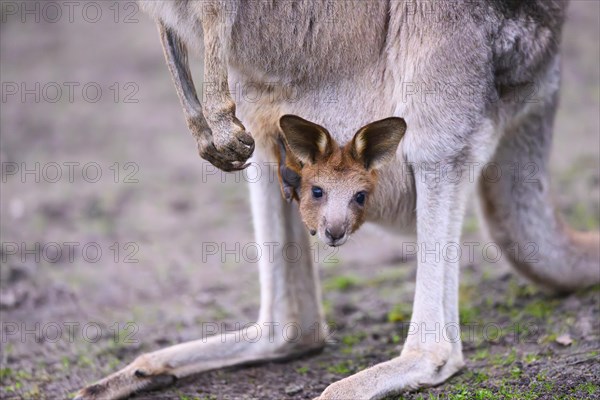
(108, 213)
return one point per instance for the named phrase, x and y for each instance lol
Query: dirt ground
(97, 269)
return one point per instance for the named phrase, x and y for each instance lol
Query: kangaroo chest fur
(307, 41)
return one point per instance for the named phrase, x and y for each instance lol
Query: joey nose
(334, 234)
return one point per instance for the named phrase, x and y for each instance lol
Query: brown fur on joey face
(337, 182)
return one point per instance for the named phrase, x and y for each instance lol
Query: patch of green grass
(33, 393)
(505, 359)
(548, 386)
(84, 361)
(341, 368)
(482, 354)
(113, 363)
(302, 370)
(469, 314)
(467, 392)
(542, 380)
(462, 393)
(530, 358)
(188, 397)
(400, 313)
(588, 388)
(540, 309)
(503, 390)
(341, 283)
(480, 377)
(511, 357)
(5, 373)
(13, 388)
(509, 392)
(327, 307)
(351, 340)
(541, 376)
(24, 375)
(489, 301)
(65, 363)
(549, 338)
(516, 372)
(483, 394)
(516, 291)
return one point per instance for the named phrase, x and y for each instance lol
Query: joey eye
(360, 198)
(317, 192)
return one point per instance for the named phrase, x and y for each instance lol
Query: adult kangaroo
(460, 73)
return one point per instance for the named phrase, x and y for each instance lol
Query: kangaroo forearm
(175, 53)
(221, 137)
(216, 99)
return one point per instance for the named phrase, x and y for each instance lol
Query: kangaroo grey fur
(476, 81)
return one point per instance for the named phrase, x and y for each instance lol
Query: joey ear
(306, 140)
(289, 177)
(375, 144)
